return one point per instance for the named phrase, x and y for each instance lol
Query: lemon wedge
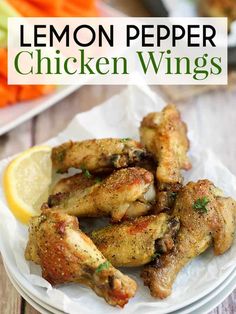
(27, 181)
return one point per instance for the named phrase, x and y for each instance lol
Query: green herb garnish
(125, 139)
(98, 180)
(114, 159)
(200, 204)
(59, 171)
(103, 266)
(173, 195)
(61, 156)
(155, 255)
(86, 173)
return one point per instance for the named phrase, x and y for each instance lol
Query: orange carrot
(10, 91)
(3, 62)
(3, 96)
(27, 9)
(53, 8)
(14, 93)
(83, 4)
(70, 9)
(29, 92)
(31, 8)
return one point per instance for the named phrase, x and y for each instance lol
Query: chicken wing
(77, 182)
(66, 254)
(97, 155)
(165, 201)
(164, 135)
(136, 242)
(206, 218)
(125, 193)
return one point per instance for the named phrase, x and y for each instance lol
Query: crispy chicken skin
(164, 135)
(206, 218)
(77, 182)
(125, 193)
(165, 202)
(97, 155)
(66, 255)
(136, 242)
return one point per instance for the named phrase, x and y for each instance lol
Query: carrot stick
(83, 4)
(3, 96)
(70, 9)
(29, 92)
(52, 8)
(3, 62)
(11, 91)
(27, 9)
(31, 8)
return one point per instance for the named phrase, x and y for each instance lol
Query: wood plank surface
(52, 121)
(10, 300)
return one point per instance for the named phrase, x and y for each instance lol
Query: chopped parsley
(200, 204)
(59, 171)
(98, 180)
(173, 195)
(155, 255)
(103, 266)
(114, 159)
(125, 139)
(61, 156)
(86, 173)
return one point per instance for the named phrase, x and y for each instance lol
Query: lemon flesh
(27, 181)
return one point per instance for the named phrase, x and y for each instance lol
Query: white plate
(34, 304)
(22, 289)
(200, 303)
(223, 290)
(217, 300)
(12, 116)
(120, 116)
(186, 310)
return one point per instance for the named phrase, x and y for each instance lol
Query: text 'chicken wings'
(67, 255)
(136, 242)
(206, 218)
(126, 192)
(97, 155)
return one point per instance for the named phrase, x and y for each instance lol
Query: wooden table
(49, 123)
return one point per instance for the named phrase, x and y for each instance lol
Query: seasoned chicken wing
(165, 201)
(126, 192)
(66, 254)
(136, 242)
(164, 134)
(97, 155)
(206, 218)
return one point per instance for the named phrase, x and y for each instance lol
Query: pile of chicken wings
(155, 221)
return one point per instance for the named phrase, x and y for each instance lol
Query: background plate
(158, 8)
(186, 310)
